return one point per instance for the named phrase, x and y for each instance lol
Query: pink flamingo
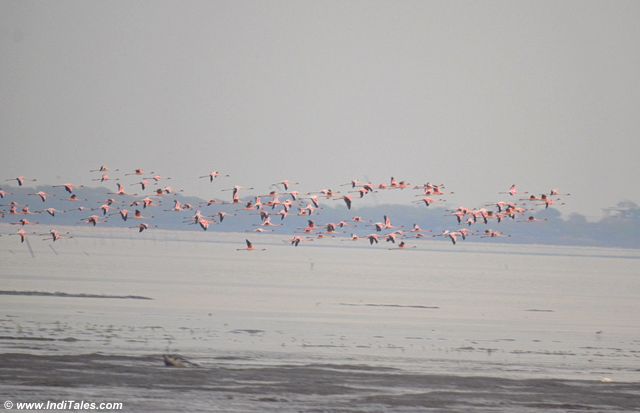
(68, 187)
(249, 247)
(213, 175)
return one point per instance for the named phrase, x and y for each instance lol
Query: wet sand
(220, 385)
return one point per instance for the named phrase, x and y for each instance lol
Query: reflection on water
(514, 312)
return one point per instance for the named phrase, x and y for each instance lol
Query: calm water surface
(473, 310)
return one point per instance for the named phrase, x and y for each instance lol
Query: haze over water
(492, 311)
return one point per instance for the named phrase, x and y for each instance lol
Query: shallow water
(519, 315)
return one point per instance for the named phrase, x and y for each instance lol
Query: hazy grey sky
(475, 94)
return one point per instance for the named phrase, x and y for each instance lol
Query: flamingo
(504, 205)
(513, 190)
(267, 223)
(534, 219)
(138, 215)
(55, 235)
(103, 168)
(327, 193)
(260, 229)
(283, 213)
(556, 192)
(143, 184)
(213, 175)
(24, 222)
(362, 192)
(121, 190)
(452, 235)
(68, 187)
(20, 180)
(428, 201)
(236, 190)
(137, 171)
(43, 195)
(488, 233)
(105, 209)
(353, 183)
(93, 219)
(285, 183)
(249, 247)
(104, 177)
(548, 202)
(23, 234)
(311, 226)
(204, 223)
(51, 211)
(403, 246)
(158, 178)
(385, 225)
(315, 201)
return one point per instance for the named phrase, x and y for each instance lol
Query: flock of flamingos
(284, 199)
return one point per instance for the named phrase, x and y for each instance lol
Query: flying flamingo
(285, 183)
(489, 233)
(249, 247)
(534, 219)
(353, 183)
(137, 171)
(513, 190)
(93, 219)
(213, 175)
(403, 246)
(428, 201)
(23, 234)
(52, 211)
(24, 222)
(103, 168)
(222, 214)
(236, 192)
(105, 177)
(143, 184)
(55, 235)
(68, 187)
(43, 195)
(138, 215)
(157, 178)
(20, 180)
(452, 235)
